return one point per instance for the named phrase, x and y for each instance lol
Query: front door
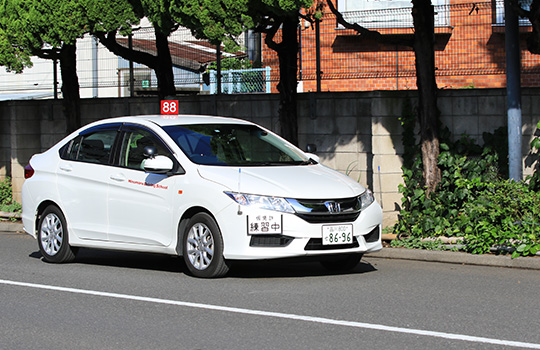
(140, 209)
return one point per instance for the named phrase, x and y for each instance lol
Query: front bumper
(297, 238)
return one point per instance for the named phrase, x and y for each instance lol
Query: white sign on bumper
(265, 224)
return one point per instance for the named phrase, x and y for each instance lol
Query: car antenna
(239, 177)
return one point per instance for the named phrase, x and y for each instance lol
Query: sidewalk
(532, 263)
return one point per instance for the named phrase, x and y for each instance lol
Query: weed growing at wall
(534, 180)
(6, 197)
(473, 200)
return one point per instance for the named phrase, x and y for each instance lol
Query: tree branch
(270, 26)
(367, 33)
(47, 54)
(109, 41)
(520, 10)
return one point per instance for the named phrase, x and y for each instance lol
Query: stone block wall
(356, 133)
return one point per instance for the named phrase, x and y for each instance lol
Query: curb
(530, 263)
(8, 226)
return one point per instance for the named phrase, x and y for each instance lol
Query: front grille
(316, 244)
(320, 211)
(328, 218)
(270, 241)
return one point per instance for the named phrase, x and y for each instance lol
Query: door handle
(118, 177)
(66, 167)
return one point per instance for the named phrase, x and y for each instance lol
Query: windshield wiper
(273, 163)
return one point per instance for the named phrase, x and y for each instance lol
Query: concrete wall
(356, 133)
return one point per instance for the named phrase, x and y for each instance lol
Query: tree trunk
(288, 66)
(161, 63)
(70, 87)
(164, 70)
(423, 18)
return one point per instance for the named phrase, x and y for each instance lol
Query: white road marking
(322, 320)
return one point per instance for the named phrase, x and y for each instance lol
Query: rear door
(83, 179)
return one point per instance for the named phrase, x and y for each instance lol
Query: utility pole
(513, 92)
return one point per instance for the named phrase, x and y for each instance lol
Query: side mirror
(158, 164)
(149, 152)
(311, 148)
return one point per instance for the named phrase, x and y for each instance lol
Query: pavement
(529, 263)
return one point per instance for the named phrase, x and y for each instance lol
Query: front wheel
(203, 247)
(53, 238)
(341, 263)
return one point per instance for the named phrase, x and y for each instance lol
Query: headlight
(262, 202)
(366, 199)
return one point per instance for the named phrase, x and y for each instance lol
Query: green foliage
(5, 191)
(12, 57)
(472, 200)
(534, 180)
(110, 15)
(7, 203)
(33, 24)
(215, 20)
(37, 27)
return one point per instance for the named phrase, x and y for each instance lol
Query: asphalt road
(109, 300)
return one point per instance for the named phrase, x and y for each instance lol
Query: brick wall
(469, 52)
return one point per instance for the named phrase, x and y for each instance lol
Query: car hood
(301, 182)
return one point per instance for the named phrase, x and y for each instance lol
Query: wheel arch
(188, 214)
(40, 209)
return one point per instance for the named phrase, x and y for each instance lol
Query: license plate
(337, 234)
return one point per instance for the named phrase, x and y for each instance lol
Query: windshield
(233, 144)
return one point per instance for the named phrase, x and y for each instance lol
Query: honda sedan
(209, 189)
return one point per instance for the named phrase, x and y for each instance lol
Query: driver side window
(133, 145)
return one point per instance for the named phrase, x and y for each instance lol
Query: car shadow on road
(279, 268)
(132, 260)
(290, 268)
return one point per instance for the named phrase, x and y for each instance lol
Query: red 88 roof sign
(169, 107)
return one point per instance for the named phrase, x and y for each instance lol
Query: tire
(203, 247)
(53, 237)
(341, 263)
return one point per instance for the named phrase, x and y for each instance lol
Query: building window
(499, 12)
(388, 13)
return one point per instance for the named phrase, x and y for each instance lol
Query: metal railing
(242, 81)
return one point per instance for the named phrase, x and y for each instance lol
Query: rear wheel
(203, 247)
(53, 238)
(341, 262)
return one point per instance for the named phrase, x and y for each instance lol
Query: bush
(6, 194)
(6, 197)
(472, 200)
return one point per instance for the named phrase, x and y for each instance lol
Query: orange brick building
(469, 50)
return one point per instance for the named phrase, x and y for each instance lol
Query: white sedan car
(209, 189)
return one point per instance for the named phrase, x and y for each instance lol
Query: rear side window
(92, 148)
